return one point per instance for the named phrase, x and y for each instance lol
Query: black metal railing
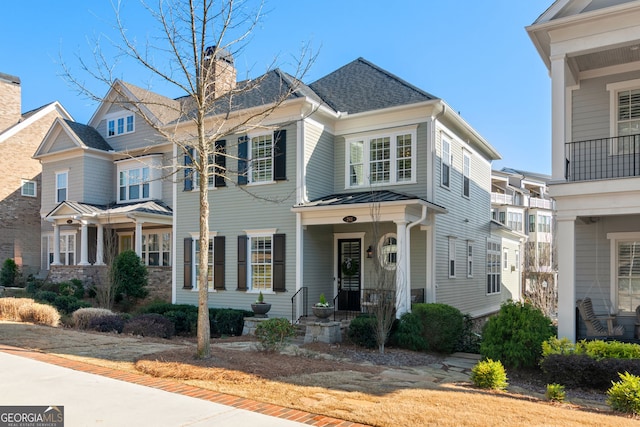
(603, 158)
(303, 295)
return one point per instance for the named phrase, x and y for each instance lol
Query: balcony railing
(535, 202)
(503, 199)
(604, 158)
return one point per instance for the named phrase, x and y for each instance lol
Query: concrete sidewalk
(91, 399)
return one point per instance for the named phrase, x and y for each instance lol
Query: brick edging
(184, 389)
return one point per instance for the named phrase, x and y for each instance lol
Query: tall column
(558, 117)
(56, 244)
(100, 245)
(138, 238)
(84, 243)
(403, 283)
(566, 278)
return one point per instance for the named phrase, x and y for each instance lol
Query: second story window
(261, 158)
(61, 186)
(28, 188)
(515, 221)
(446, 163)
(466, 173)
(134, 184)
(120, 125)
(544, 224)
(378, 159)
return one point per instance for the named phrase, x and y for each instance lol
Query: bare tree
(104, 285)
(539, 277)
(198, 40)
(383, 292)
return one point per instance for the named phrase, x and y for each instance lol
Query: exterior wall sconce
(369, 252)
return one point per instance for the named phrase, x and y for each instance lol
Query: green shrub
(273, 334)
(227, 321)
(9, 272)
(596, 349)
(33, 285)
(442, 326)
(362, 331)
(624, 395)
(489, 374)
(107, 323)
(515, 335)
(555, 392)
(185, 322)
(409, 333)
(129, 276)
(82, 317)
(149, 325)
(73, 287)
(67, 304)
(582, 371)
(45, 296)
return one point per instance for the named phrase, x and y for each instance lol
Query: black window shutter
(188, 281)
(218, 263)
(242, 263)
(220, 161)
(279, 284)
(188, 178)
(243, 153)
(280, 155)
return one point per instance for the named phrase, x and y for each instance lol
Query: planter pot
(261, 310)
(322, 313)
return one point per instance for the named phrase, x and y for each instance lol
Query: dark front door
(349, 274)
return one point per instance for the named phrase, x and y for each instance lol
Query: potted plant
(322, 310)
(260, 308)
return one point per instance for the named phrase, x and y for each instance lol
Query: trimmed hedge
(582, 371)
(149, 325)
(107, 323)
(68, 304)
(82, 317)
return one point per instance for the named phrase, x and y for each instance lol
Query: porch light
(369, 252)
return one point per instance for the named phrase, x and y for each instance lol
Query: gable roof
(32, 116)
(362, 86)
(82, 136)
(152, 207)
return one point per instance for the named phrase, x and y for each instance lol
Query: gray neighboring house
(359, 137)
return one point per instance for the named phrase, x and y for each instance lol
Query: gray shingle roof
(151, 206)
(88, 135)
(362, 86)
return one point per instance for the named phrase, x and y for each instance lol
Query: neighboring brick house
(20, 135)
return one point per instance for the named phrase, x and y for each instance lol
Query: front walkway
(110, 397)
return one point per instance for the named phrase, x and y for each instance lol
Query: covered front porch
(90, 235)
(360, 249)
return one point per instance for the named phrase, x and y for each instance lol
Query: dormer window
(120, 125)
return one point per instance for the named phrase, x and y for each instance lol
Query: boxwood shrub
(149, 325)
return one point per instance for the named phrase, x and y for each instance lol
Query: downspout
(407, 251)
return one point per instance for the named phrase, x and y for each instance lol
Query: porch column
(566, 278)
(138, 237)
(403, 283)
(84, 243)
(558, 107)
(56, 244)
(100, 245)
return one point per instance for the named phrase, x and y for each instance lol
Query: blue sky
(476, 55)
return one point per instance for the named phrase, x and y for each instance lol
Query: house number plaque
(349, 219)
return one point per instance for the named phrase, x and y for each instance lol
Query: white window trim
(114, 118)
(613, 89)
(366, 138)
(50, 249)
(140, 168)
(505, 258)
(35, 187)
(154, 163)
(498, 271)
(267, 232)
(161, 252)
(445, 160)
(381, 255)
(466, 172)
(250, 137)
(614, 238)
(452, 257)
(470, 259)
(195, 237)
(66, 171)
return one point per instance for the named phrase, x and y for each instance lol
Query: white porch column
(84, 243)
(56, 244)
(100, 245)
(138, 237)
(403, 284)
(566, 278)
(558, 119)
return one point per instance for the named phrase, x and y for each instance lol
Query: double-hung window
(445, 159)
(260, 269)
(120, 125)
(544, 223)
(67, 248)
(381, 158)
(466, 174)
(625, 116)
(493, 266)
(625, 270)
(261, 158)
(469, 258)
(196, 264)
(515, 221)
(134, 184)
(156, 248)
(452, 257)
(62, 179)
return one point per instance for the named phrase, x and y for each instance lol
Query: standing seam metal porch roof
(367, 197)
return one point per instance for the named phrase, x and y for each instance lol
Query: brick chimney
(219, 66)
(10, 101)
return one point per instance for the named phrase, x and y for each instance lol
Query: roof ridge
(395, 77)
